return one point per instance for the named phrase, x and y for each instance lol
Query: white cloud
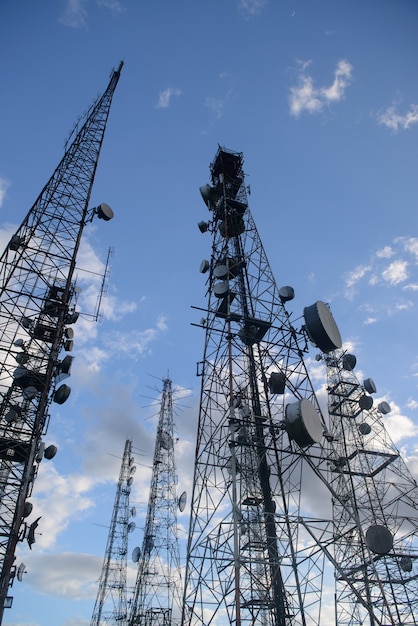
(396, 272)
(393, 120)
(58, 500)
(75, 14)
(385, 253)
(354, 277)
(165, 97)
(306, 97)
(4, 185)
(251, 7)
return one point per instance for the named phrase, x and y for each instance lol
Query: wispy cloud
(396, 272)
(75, 13)
(251, 7)
(165, 97)
(306, 97)
(393, 120)
(4, 185)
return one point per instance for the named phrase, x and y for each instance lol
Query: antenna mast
(257, 552)
(157, 593)
(111, 601)
(37, 308)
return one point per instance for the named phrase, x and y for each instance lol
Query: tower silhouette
(258, 552)
(37, 309)
(111, 601)
(157, 592)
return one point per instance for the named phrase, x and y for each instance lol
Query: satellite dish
(277, 382)
(365, 402)
(321, 327)
(13, 414)
(349, 362)
(129, 481)
(19, 343)
(50, 452)
(65, 365)
(182, 502)
(133, 511)
(286, 293)
(133, 469)
(131, 527)
(204, 266)
(69, 333)
(364, 428)
(104, 212)
(379, 539)
(20, 571)
(369, 385)
(136, 554)
(27, 509)
(221, 272)
(384, 408)
(62, 394)
(21, 358)
(303, 423)
(30, 392)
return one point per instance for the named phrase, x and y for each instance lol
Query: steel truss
(157, 593)
(37, 308)
(256, 554)
(111, 605)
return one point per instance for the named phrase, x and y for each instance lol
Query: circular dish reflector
(50, 452)
(286, 293)
(62, 394)
(104, 212)
(303, 423)
(204, 266)
(379, 539)
(369, 385)
(365, 402)
(384, 408)
(364, 428)
(321, 327)
(349, 362)
(182, 502)
(136, 554)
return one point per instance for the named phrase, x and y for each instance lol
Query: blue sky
(322, 99)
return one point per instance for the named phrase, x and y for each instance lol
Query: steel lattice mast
(111, 602)
(256, 553)
(377, 549)
(37, 300)
(244, 560)
(157, 593)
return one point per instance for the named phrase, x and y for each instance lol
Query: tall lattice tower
(157, 593)
(111, 602)
(257, 551)
(377, 548)
(37, 298)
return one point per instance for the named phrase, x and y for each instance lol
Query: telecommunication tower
(111, 601)
(37, 308)
(257, 553)
(377, 548)
(158, 593)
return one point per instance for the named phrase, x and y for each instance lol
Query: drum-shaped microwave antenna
(321, 327)
(104, 212)
(136, 554)
(182, 501)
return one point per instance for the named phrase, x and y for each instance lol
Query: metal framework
(256, 552)
(111, 602)
(158, 591)
(377, 549)
(37, 308)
